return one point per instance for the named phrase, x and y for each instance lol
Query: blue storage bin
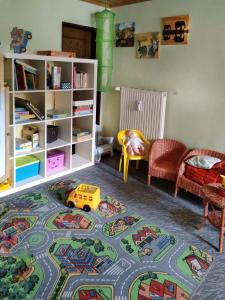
(26, 167)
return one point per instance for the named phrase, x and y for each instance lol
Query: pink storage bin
(55, 160)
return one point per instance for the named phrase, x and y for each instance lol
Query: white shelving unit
(78, 155)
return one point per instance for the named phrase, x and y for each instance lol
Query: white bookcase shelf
(77, 155)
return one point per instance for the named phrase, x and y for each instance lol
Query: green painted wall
(193, 75)
(44, 19)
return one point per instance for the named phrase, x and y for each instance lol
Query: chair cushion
(203, 161)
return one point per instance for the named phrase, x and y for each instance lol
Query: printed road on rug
(48, 251)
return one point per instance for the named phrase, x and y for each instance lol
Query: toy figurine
(20, 39)
(134, 145)
(4, 185)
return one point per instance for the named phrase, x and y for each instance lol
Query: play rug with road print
(48, 251)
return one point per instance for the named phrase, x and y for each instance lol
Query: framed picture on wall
(175, 30)
(147, 45)
(125, 34)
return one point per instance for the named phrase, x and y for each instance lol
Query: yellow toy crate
(85, 196)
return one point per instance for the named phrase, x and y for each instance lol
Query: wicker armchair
(164, 159)
(186, 183)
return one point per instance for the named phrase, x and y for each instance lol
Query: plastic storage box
(26, 167)
(55, 160)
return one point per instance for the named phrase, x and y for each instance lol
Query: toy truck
(20, 38)
(85, 196)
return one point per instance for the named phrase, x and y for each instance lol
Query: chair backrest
(122, 136)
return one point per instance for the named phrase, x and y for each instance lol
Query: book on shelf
(74, 76)
(19, 102)
(23, 145)
(30, 79)
(82, 110)
(25, 76)
(54, 114)
(56, 53)
(80, 132)
(82, 113)
(80, 79)
(83, 102)
(56, 77)
(25, 117)
(82, 138)
(27, 67)
(20, 78)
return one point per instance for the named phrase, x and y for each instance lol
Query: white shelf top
(83, 89)
(59, 90)
(63, 169)
(48, 58)
(75, 142)
(27, 91)
(31, 179)
(35, 150)
(78, 161)
(58, 119)
(58, 143)
(27, 122)
(81, 116)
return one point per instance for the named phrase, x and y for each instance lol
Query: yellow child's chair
(122, 138)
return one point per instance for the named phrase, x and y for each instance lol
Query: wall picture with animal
(175, 30)
(147, 45)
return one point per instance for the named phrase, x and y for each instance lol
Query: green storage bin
(26, 167)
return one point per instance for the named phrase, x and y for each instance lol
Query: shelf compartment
(30, 168)
(58, 104)
(38, 82)
(83, 103)
(65, 74)
(79, 161)
(85, 122)
(58, 161)
(81, 153)
(37, 100)
(86, 81)
(38, 142)
(64, 133)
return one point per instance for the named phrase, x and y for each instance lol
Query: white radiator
(143, 110)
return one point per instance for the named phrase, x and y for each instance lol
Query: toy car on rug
(85, 197)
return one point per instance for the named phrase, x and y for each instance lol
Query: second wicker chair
(165, 157)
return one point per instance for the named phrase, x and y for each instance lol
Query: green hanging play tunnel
(105, 41)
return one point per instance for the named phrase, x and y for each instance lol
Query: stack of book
(80, 79)
(23, 145)
(81, 134)
(25, 76)
(83, 107)
(21, 114)
(25, 110)
(55, 114)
